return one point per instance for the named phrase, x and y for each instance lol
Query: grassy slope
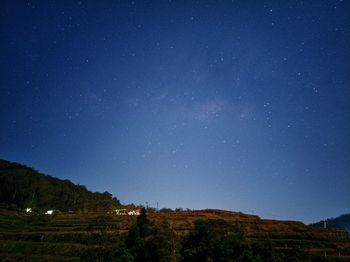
(65, 236)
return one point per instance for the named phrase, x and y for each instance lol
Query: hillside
(285, 235)
(69, 236)
(86, 227)
(22, 186)
(342, 221)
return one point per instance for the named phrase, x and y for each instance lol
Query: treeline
(211, 240)
(342, 221)
(22, 186)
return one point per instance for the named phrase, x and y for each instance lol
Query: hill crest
(26, 187)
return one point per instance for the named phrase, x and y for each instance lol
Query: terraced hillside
(285, 235)
(62, 237)
(68, 236)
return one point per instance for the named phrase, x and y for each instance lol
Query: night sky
(237, 105)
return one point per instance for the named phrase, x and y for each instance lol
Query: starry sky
(237, 105)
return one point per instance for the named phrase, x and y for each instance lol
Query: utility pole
(324, 224)
(157, 206)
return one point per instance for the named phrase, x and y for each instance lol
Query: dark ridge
(342, 221)
(22, 186)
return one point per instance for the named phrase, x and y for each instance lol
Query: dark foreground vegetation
(107, 237)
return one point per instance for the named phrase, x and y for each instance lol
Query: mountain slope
(342, 221)
(25, 187)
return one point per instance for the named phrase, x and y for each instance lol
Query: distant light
(28, 210)
(49, 212)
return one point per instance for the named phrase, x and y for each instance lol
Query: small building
(135, 212)
(49, 212)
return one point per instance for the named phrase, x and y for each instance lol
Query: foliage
(218, 240)
(25, 187)
(214, 240)
(149, 242)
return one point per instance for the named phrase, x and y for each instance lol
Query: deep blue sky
(239, 105)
